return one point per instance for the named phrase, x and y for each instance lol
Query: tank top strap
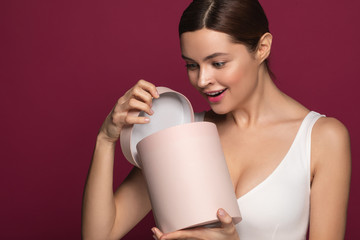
(304, 141)
(313, 117)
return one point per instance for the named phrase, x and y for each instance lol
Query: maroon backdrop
(63, 64)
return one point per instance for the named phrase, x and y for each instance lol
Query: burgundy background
(63, 64)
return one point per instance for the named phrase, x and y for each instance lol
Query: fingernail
(221, 212)
(151, 112)
(147, 119)
(153, 230)
(157, 94)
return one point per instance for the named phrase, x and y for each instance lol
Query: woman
(290, 167)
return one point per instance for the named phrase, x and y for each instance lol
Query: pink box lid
(170, 109)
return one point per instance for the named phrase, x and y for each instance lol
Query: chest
(253, 155)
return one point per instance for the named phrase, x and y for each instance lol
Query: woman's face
(225, 73)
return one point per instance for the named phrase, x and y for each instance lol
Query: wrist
(105, 139)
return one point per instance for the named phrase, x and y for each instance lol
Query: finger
(196, 233)
(138, 105)
(128, 118)
(136, 120)
(142, 95)
(226, 220)
(149, 87)
(157, 232)
(133, 104)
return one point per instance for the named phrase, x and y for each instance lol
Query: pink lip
(217, 98)
(213, 91)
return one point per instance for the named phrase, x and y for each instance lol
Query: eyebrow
(207, 57)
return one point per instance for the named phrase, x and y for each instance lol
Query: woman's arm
(107, 215)
(331, 167)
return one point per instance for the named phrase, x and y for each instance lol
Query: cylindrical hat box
(187, 176)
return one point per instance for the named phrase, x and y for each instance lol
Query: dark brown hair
(244, 20)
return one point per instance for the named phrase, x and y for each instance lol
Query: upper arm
(331, 169)
(132, 203)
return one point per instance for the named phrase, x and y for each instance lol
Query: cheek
(241, 73)
(233, 76)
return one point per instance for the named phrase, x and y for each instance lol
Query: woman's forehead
(204, 42)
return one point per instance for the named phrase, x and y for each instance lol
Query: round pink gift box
(183, 164)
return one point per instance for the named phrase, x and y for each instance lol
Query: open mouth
(215, 94)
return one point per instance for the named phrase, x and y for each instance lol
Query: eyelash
(219, 64)
(194, 66)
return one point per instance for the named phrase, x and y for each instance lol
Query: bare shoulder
(330, 131)
(330, 143)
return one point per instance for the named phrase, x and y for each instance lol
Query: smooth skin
(254, 119)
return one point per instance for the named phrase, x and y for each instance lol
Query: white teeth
(215, 93)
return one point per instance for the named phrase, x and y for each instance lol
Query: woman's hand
(138, 98)
(227, 231)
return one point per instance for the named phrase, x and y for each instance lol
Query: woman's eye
(218, 64)
(191, 66)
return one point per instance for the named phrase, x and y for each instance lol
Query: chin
(219, 110)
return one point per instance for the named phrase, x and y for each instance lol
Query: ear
(264, 47)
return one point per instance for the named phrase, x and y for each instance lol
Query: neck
(259, 107)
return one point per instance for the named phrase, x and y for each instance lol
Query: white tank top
(278, 208)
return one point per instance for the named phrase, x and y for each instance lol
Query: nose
(204, 78)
